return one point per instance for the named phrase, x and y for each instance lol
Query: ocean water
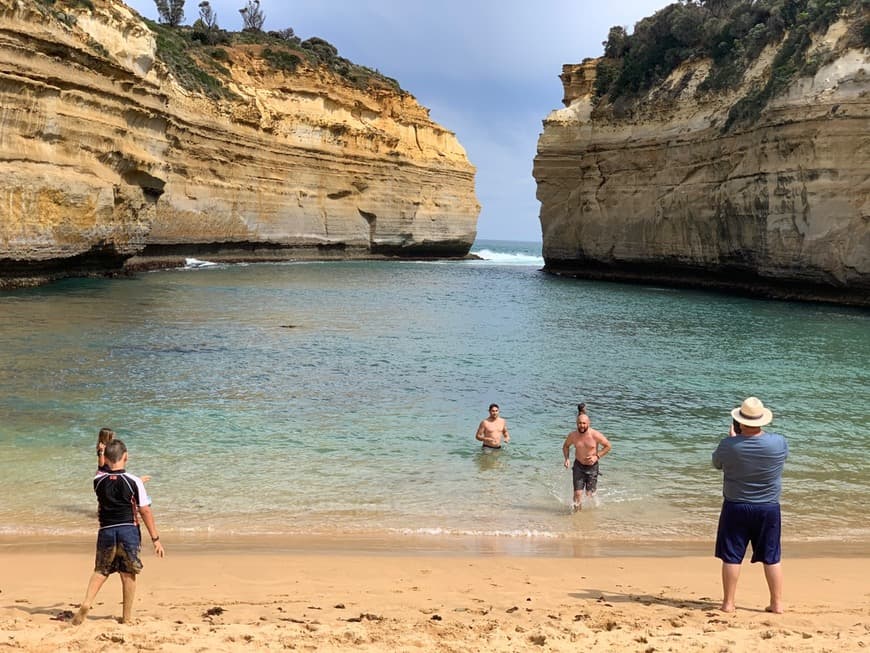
(341, 398)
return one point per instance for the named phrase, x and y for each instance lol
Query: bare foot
(775, 609)
(727, 607)
(80, 616)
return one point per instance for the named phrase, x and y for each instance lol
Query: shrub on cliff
(174, 48)
(189, 53)
(657, 46)
(731, 33)
(281, 59)
(321, 50)
(73, 4)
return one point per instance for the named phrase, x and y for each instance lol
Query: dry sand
(207, 598)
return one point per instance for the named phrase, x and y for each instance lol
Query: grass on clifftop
(731, 34)
(196, 57)
(187, 64)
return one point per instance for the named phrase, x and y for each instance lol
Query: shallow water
(322, 398)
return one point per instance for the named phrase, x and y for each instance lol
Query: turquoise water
(343, 397)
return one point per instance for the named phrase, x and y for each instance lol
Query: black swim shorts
(585, 477)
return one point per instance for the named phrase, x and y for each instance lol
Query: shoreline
(437, 546)
(327, 601)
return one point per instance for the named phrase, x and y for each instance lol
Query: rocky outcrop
(107, 158)
(780, 207)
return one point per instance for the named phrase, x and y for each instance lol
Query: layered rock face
(104, 156)
(777, 208)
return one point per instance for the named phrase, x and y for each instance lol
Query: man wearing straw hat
(752, 461)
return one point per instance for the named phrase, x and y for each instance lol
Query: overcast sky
(488, 71)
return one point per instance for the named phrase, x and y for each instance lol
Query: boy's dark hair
(115, 450)
(491, 406)
(581, 408)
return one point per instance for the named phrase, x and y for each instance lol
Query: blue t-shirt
(753, 467)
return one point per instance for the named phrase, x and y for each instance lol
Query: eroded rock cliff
(106, 155)
(777, 207)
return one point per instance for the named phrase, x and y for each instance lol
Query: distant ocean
(341, 398)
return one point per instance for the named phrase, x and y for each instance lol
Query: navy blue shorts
(118, 550)
(742, 523)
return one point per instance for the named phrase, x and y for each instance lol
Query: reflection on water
(491, 459)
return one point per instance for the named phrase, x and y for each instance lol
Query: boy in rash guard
(120, 496)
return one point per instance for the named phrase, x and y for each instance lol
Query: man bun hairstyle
(115, 450)
(581, 408)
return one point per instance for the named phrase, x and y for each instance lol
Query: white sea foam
(518, 533)
(508, 258)
(195, 263)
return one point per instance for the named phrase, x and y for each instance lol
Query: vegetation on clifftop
(731, 34)
(196, 54)
(199, 55)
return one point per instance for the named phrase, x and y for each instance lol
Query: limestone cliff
(106, 154)
(669, 194)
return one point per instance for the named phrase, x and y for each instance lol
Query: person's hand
(158, 549)
(567, 463)
(145, 478)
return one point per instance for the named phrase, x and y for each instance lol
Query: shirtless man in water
(589, 447)
(492, 429)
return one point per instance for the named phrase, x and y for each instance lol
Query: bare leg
(578, 500)
(94, 585)
(128, 583)
(730, 574)
(591, 496)
(773, 575)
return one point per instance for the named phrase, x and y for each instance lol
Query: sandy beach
(330, 598)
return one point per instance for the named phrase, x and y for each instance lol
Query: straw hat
(752, 413)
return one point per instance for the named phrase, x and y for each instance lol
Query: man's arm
(507, 436)
(148, 519)
(605, 446)
(717, 457)
(479, 434)
(566, 450)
